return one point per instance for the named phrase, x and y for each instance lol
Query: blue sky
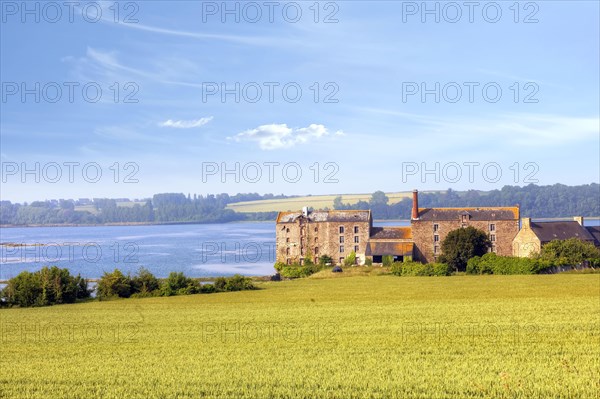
(175, 57)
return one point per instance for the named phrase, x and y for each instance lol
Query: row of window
(342, 229)
(342, 248)
(436, 227)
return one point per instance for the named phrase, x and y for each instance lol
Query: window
(287, 230)
(287, 251)
(301, 251)
(316, 229)
(492, 227)
(356, 248)
(436, 249)
(341, 248)
(355, 229)
(316, 239)
(492, 237)
(436, 238)
(288, 261)
(287, 239)
(436, 227)
(316, 250)
(341, 239)
(341, 261)
(341, 229)
(301, 261)
(356, 239)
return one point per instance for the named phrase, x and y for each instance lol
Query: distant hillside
(536, 201)
(313, 201)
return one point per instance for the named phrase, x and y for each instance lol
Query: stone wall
(304, 238)
(423, 236)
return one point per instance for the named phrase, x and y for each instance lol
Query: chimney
(305, 211)
(526, 223)
(415, 207)
(579, 219)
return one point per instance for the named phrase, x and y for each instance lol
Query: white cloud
(277, 136)
(181, 124)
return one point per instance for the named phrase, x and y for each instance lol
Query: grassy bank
(363, 336)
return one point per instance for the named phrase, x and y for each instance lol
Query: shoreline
(12, 226)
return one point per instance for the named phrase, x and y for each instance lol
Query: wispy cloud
(278, 136)
(183, 124)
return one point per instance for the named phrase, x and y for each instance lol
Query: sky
(132, 98)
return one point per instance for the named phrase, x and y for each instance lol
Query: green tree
(569, 252)
(462, 244)
(144, 282)
(114, 284)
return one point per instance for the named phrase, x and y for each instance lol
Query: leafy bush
(569, 252)
(420, 269)
(324, 260)
(207, 288)
(239, 283)
(45, 287)
(178, 284)
(350, 260)
(491, 263)
(144, 282)
(279, 266)
(114, 284)
(369, 262)
(387, 260)
(297, 271)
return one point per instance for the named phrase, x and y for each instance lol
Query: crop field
(316, 201)
(366, 336)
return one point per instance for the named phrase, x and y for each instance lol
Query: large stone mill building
(338, 233)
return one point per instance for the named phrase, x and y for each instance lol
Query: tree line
(535, 201)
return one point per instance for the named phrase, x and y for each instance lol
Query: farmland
(375, 336)
(315, 201)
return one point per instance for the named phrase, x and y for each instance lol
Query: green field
(360, 337)
(316, 201)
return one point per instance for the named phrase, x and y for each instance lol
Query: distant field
(357, 337)
(92, 209)
(316, 201)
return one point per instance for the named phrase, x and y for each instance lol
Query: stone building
(533, 235)
(312, 234)
(430, 226)
(305, 234)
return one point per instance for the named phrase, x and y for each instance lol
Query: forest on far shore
(535, 201)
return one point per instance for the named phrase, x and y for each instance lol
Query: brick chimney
(415, 205)
(526, 223)
(579, 219)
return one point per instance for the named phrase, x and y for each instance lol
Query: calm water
(196, 250)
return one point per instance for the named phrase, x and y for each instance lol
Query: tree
(114, 284)
(144, 282)
(570, 252)
(462, 244)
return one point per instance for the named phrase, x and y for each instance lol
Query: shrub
(45, 287)
(324, 260)
(279, 266)
(569, 252)
(144, 283)
(297, 271)
(350, 260)
(491, 263)
(420, 269)
(387, 260)
(178, 284)
(239, 283)
(207, 288)
(114, 284)
(369, 262)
